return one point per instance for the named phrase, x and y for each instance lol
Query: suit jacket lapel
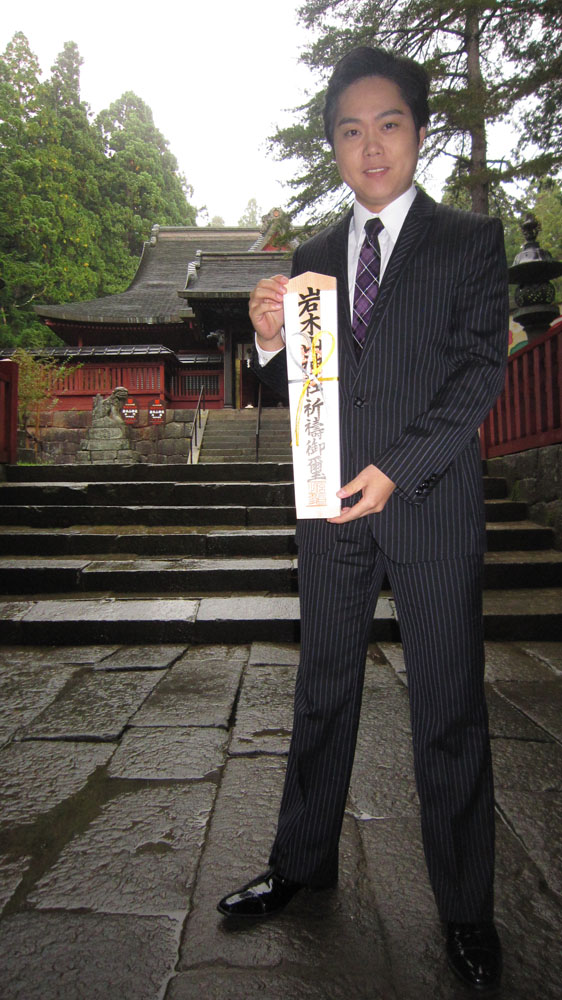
(412, 234)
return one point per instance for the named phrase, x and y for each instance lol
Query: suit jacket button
(358, 402)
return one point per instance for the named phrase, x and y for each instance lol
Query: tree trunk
(478, 171)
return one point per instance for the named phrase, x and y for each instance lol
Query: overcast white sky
(219, 75)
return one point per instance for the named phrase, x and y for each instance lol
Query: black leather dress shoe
(267, 894)
(474, 954)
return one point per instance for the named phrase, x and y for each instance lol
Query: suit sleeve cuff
(264, 357)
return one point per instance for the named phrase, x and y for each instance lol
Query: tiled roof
(139, 351)
(152, 297)
(101, 351)
(232, 275)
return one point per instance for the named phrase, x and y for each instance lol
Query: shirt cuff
(265, 356)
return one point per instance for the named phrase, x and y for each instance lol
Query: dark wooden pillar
(228, 370)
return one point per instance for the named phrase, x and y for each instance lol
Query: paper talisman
(311, 336)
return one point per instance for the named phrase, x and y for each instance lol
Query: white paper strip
(311, 335)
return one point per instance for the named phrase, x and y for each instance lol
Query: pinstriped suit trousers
(440, 611)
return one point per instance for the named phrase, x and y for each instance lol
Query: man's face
(376, 144)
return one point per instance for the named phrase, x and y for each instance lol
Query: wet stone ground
(141, 783)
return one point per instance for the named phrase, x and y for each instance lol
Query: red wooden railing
(528, 412)
(186, 386)
(76, 390)
(8, 411)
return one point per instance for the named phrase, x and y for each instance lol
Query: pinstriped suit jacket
(432, 366)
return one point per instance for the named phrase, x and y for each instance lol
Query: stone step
(251, 471)
(53, 515)
(506, 510)
(230, 456)
(523, 569)
(246, 431)
(495, 488)
(214, 439)
(247, 415)
(511, 615)
(183, 539)
(231, 436)
(226, 455)
(165, 494)
(97, 548)
(149, 541)
(514, 615)
(34, 574)
(232, 431)
(502, 536)
(217, 490)
(220, 450)
(274, 452)
(269, 415)
(246, 448)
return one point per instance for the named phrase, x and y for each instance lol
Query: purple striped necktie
(367, 280)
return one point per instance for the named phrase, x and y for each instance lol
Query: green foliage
(77, 198)
(36, 384)
(491, 61)
(548, 210)
(141, 173)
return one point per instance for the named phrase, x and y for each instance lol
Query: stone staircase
(205, 553)
(230, 436)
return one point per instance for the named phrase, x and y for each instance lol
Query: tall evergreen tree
(75, 203)
(491, 61)
(22, 226)
(50, 247)
(76, 159)
(142, 175)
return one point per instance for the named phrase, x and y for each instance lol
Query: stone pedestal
(108, 438)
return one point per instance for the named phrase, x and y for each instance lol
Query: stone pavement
(141, 783)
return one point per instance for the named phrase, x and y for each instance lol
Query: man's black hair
(408, 75)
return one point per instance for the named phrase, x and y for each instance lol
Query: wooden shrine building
(182, 324)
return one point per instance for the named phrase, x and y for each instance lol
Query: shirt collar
(392, 216)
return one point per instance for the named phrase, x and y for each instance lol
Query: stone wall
(163, 443)
(61, 434)
(535, 476)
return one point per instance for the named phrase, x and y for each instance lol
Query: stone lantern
(532, 271)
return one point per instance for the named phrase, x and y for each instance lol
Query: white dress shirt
(392, 218)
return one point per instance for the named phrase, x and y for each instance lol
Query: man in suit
(423, 345)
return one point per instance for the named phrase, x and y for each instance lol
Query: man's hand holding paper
(266, 311)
